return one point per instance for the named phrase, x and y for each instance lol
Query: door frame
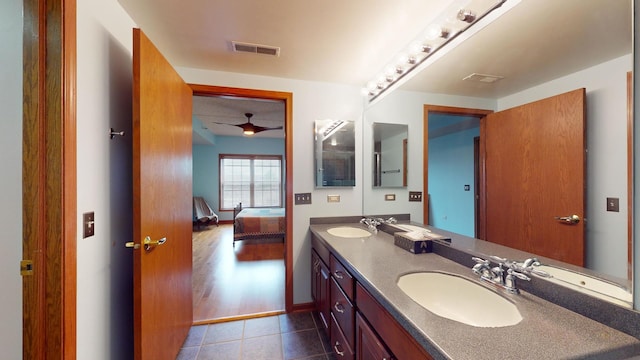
(49, 184)
(452, 110)
(287, 98)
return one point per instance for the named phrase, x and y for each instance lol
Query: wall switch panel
(415, 196)
(613, 204)
(467, 187)
(88, 225)
(302, 198)
(333, 198)
(390, 197)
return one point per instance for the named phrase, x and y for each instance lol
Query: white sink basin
(459, 299)
(348, 232)
(590, 285)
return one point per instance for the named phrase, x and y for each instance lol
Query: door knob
(571, 220)
(133, 245)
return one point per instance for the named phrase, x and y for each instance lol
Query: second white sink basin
(348, 232)
(459, 299)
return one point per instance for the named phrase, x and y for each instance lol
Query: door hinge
(26, 267)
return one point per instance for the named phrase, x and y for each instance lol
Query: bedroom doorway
(248, 277)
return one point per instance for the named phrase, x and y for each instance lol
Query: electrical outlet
(302, 198)
(390, 197)
(415, 196)
(333, 198)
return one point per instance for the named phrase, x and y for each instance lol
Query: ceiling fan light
(248, 129)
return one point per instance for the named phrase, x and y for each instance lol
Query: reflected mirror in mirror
(390, 155)
(335, 153)
(534, 64)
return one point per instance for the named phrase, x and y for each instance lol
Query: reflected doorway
(452, 133)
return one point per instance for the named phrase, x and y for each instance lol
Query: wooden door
(535, 171)
(162, 204)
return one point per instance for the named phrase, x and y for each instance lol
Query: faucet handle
(519, 275)
(480, 261)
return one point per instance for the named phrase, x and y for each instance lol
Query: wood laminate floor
(234, 283)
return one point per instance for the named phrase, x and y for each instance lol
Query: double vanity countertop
(547, 331)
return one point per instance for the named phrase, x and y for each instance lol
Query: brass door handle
(570, 220)
(148, 243)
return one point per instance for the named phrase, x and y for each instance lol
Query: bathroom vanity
(367, 315)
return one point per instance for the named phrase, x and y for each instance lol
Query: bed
(258, 223)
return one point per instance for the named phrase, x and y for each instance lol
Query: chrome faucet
(497, 275)
(372, 223)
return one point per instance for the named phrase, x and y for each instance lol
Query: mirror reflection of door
(535, 177)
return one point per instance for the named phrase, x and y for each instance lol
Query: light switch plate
(390, 197)
(88, 225)
(302, 198)
(613, 204)
(333, 198)
(415, 196)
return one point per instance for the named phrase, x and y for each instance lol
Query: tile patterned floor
(287, 337)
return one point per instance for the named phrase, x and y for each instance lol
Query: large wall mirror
(390, 147)
(335, 153)
(531, 61)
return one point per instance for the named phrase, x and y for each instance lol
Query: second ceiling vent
(255, 48)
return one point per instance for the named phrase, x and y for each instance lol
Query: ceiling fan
(249, 129)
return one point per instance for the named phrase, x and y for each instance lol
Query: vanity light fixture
(458, 22)
(332, 128)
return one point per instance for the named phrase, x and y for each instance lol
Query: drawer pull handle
(335, 347)
(339, 308)
(338, 274)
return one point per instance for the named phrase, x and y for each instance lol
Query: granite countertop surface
(547, 331)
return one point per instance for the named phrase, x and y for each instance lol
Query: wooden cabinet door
(324, 296)
(315, 277)
(368, 345)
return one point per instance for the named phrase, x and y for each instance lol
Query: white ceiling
(350, 42)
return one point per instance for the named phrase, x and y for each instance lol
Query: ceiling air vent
(483, 78)
(255, 48)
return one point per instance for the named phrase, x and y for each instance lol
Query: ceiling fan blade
(262, 128)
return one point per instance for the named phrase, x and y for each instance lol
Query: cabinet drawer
(342, 310)
(342, 276)
(338, 342)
